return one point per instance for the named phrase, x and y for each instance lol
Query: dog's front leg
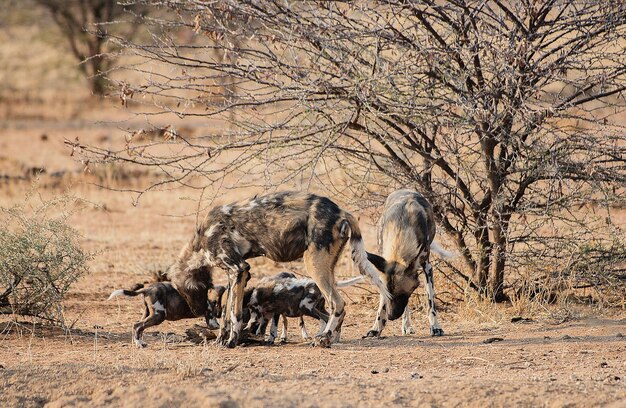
(435, 329)
(254, 320)
(273, 329)
(381, 319)
(305, 335)
(225, 320)
(236, 303)
(283, 335)
(406, 322)
(322, 327)
(210, 319)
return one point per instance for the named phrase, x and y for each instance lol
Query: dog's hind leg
(152, 320)
(320, 265)
(146, 311)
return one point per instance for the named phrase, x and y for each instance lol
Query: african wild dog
(161, 302)
(288, 296)
(284, 227)
(406, 230)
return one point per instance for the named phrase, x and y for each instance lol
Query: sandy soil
(579, 363)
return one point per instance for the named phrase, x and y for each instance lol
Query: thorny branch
(509, 117)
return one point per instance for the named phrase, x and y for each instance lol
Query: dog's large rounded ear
(378, 261)
(409, 268)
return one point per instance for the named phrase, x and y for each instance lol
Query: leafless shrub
(40, 258)
(506, 115)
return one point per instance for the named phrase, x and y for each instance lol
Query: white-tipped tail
(439, 250)
(350, 282)
(359, 257)
(116, 293)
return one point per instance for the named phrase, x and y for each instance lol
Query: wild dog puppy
(258, 321)
(406, 230)
(288, 296)
(161, 302)
(284, 227)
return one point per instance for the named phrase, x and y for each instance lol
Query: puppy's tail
(439, 250)
(136, 291)
(350, 282)
(359, 255)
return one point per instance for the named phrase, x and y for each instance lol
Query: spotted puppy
(162, 302)
(406, 230)
(288, 296)
(284, 227)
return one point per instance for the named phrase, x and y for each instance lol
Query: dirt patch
(578, 363)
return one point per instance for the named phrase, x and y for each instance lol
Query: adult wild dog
(284, 227)
(406, 230)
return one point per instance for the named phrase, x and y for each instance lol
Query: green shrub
(40, 258)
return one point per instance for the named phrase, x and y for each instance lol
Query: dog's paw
(222, 340)
(408, 331)
(283, 340)
(372, 333)
(232, 342)
(322, 342)
(140, 343)
(213, 324)
(436, 331)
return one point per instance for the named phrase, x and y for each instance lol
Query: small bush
(40, 258)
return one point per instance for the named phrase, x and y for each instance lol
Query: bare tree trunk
(87, 25)
(498, 263)
(481, 273)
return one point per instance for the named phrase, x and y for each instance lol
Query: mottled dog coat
(161, 302)
(406, 230)
(288, 296)
(284, 227)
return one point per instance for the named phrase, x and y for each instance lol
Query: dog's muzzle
(398, 304)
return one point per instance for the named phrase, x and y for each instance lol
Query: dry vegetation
(566, 353)
(507, 117)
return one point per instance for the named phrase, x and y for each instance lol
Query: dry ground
(576, 364)
(579, 362)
